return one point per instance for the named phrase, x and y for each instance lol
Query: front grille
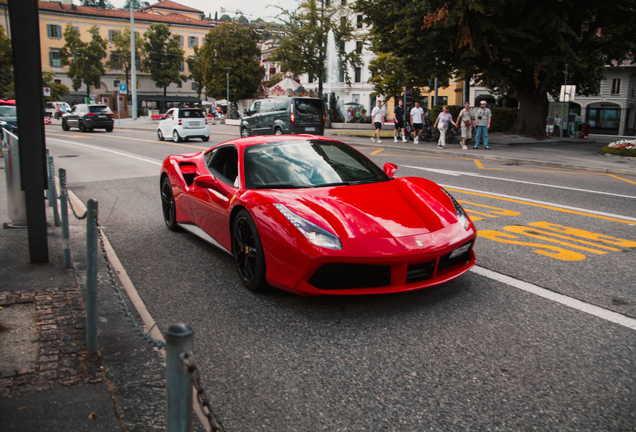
(447, 262)
(336, 276)
(420, 272)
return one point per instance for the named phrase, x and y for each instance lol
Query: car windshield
(190, 113)
(7, 111)
(99, 108)
(307, 164)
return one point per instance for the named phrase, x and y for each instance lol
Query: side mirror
(389, 168)
(208, 181)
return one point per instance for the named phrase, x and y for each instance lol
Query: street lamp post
(133, 63)
(227, 100)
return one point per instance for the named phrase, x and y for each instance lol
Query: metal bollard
(66, 247)
(91, 276)
(179, 339)
(52, 191)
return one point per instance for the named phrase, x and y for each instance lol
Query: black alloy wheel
(168, 206)
(278, 131)
(248, 252)
(159, 135)
(82, 126)
(65, 125)
(245, 132)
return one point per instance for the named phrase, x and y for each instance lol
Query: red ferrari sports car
(312, 215)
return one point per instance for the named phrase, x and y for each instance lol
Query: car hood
(392, 209)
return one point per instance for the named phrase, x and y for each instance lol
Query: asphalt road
(495, 349)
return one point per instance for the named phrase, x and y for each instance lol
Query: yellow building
(55, 15)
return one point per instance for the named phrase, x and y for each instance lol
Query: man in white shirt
(417, 122)
(378, 118)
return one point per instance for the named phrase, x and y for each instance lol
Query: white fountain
(333, 62)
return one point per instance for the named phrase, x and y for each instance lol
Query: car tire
(248, 252)
(109, 129)
(278, 131)
(245, 132)
(159, 135)
(65, 125)
(175, 136)
(82, 126)
(168, 205)
(205, 139)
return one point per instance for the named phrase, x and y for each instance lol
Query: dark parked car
(284, 115)
(87, 117)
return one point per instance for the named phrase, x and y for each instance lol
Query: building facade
(55, 15)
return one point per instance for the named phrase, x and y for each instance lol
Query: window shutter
(48, 30)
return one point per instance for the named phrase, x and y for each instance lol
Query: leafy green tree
(120, 56)
(389, 76)
(518, 46)
(84, 59)
(197, 70)
(303, 47)
(136, 4)
(58, 90)
(105, 4)
(6, 66)
(233, 46)
(225, 18)
(163, 58)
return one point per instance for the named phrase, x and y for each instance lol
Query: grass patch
(621, 148)
(619, 152)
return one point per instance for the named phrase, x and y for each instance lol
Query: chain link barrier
(187, 357)
(73, 208)
(120, 298)
(202, 397)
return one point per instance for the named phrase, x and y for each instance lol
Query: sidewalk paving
(47, 379)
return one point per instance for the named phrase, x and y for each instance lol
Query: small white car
(182, 124)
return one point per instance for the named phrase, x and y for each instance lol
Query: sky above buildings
(252, 9)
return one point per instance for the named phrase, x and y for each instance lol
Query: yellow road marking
(497, 210)
(585, 234)
(544, 206)
(559, 253)
(479, 164)
(480, 213)
(553, 234)
(530, 232)
(377, 151)
(628, 181)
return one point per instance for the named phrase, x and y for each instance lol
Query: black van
(284, 115)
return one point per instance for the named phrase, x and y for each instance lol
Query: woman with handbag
(465, 121)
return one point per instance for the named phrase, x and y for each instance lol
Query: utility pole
(564, 120)
(133, 63)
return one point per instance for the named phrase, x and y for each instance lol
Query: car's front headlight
(312, 232)
(459, 211)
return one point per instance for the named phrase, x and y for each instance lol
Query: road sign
(46, 91)
(567, 93)
(123, 88)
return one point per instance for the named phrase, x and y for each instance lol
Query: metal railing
(182, 373)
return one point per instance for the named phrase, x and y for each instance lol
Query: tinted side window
(309, 106)
(224, 165)
(99, 108)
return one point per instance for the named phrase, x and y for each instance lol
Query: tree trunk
(320, 87)
(165, 88)
(533, 111)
